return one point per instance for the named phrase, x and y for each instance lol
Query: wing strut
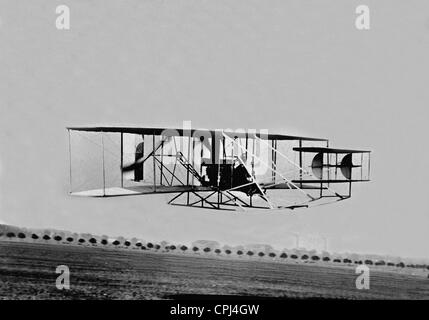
(288, 182)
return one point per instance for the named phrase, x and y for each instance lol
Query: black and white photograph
(229, 151)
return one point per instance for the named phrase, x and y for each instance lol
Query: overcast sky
(299, 67)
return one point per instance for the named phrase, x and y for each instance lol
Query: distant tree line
(306, 257)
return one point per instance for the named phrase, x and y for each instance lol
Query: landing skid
(223, 200)
(216, 199)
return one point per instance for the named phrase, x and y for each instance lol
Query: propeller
(142, 159)
(345, 166)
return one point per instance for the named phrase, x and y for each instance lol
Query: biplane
(217, 169)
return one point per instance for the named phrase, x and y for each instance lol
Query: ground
(27, 271)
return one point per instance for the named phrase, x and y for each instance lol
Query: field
(27, 271)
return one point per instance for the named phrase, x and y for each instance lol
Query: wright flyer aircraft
(217, 169)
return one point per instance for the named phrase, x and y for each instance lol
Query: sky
(295, 67)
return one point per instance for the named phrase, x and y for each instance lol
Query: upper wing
(194, 133)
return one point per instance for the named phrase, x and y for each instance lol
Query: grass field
(27, 271)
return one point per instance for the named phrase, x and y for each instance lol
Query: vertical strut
(70, 162)
(143, 156)
(232, 162)
(350, 189)
(300, 162)
(369, 166)
(275, 160)
(162, 159)
(201, 155)
(189, 157)
(253, 159)
(247, 144)
(122, 159)
(272, 161)
(104, 175)
(154, 164)
(193, 157)
(336, 165)
(187, 169)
